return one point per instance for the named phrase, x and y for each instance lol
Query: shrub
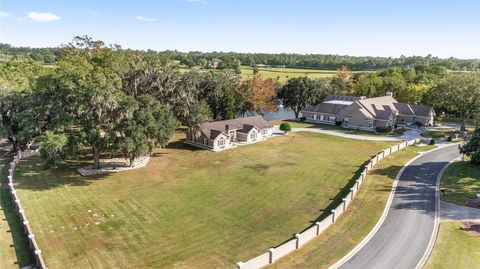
(285, 127)
(449, 138)
(418, 124)
(475, 158)
(384, 129)
(432, 141)
(338, 123)
(302, 118)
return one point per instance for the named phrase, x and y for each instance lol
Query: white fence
(37, 253)
(300, 239)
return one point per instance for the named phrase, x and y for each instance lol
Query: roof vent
(363, 97)
(389, 94)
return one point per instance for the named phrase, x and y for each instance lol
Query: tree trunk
(296, 114)
(96, 158)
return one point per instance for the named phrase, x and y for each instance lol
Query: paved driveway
(405, 234)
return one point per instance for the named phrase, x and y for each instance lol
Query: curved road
(404, 236)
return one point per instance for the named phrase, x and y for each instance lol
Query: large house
(225, 134)
(369, 114)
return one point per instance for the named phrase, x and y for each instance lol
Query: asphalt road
(403, 237)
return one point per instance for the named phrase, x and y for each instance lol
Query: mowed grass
(455, 248)
(461, 182)
(359, 219)
(283, 74)
(299, 124)
(14, 251)
(188, 208)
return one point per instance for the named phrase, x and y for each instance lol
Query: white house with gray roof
(367, 114)
(219, 135)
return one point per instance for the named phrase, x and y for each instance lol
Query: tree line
(232, 60)
(105, 99)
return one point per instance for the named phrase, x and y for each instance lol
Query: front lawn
(301, 124)
(461, 182)
(188, 208)
(441, 134)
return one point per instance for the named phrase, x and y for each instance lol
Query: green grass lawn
(14, 251)
(299, 124)
(441, 134)
(357, 221)
(188, 208)
(455, 248)
(461, 182)
(283, 74)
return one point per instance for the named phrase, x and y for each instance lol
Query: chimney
(389, 94)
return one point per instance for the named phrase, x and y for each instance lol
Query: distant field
(188, 208)
(283, 74)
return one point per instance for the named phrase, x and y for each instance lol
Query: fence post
(358, 184)
(318, 227)
(239, 265)
(271, 251)
(352, 190)
(333, 215)
(344, 201)
(297, 243)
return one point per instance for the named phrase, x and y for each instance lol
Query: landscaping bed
(188, 208)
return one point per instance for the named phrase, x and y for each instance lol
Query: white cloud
(142, 18)
(4, 14)
(42, 16)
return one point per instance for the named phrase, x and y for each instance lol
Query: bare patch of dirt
(471, 227)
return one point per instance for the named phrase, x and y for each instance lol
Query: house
(369, 114)
(219, 135)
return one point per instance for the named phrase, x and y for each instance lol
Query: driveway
(453, 212)
(404, 236)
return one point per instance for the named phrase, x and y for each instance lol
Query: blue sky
(442, 28)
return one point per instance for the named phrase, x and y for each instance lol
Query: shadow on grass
(416, 190)
(20, 242)
(30, 174)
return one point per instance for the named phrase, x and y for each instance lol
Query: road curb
(433, 237)
(385, 211)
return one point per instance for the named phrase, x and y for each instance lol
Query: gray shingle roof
(342, 98)
(215, 128)
(326, 108)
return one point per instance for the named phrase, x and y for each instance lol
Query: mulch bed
(472, 228)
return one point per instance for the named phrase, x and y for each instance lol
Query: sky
(443, 28)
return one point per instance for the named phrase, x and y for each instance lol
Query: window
(221, 142)
(331, 118)
(264, 132)
(205, 142)
(314, 116)
(322, 118)
(370, 125)
(345, 120)
(253, 135)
